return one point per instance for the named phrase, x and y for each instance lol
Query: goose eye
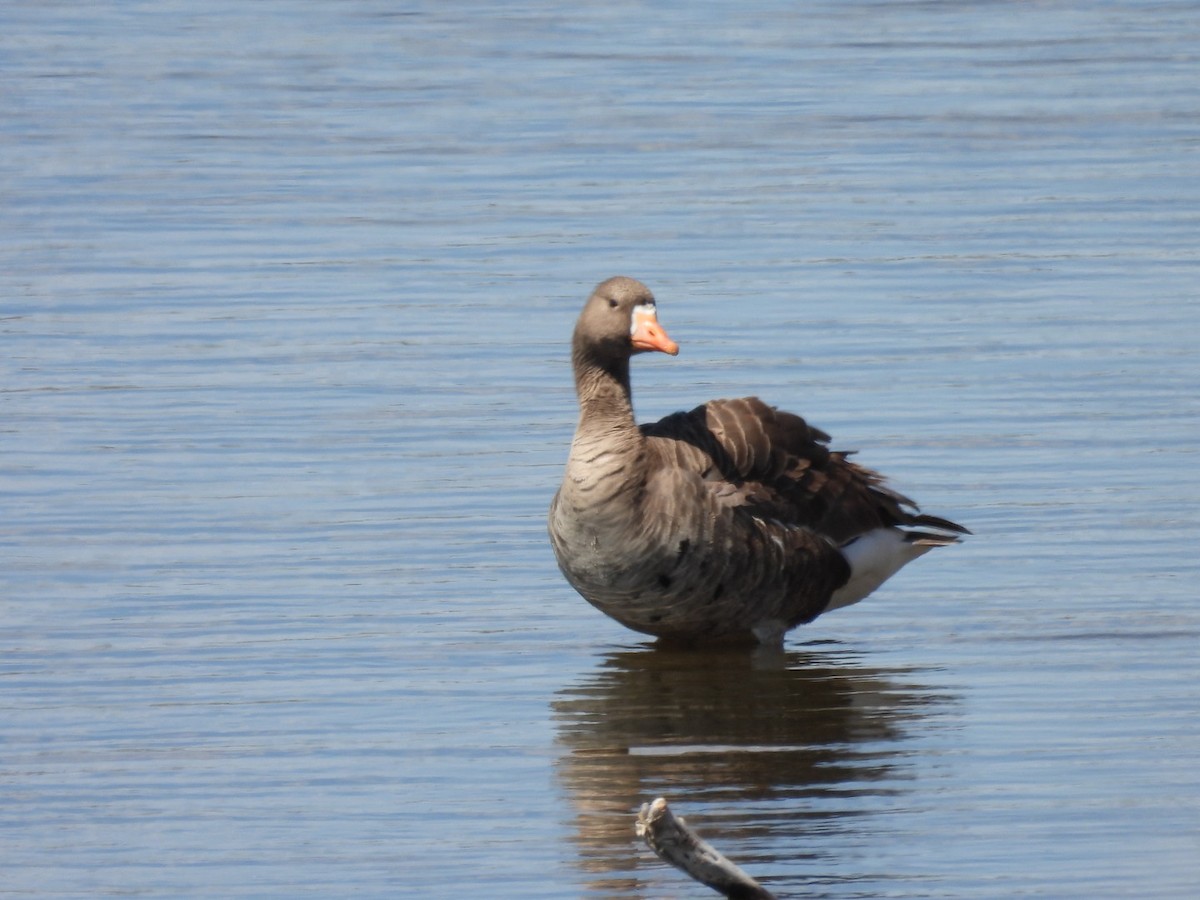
(613, 304)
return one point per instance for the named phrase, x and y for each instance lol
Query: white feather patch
(874, 557)
(642, 312)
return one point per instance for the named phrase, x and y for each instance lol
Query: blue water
(285, 292)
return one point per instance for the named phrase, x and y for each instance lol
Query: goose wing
(775, 464)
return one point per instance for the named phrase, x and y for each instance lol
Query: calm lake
(286, 291)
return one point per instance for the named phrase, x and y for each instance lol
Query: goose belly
(685, 590)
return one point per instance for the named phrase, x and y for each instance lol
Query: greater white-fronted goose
(731, 522)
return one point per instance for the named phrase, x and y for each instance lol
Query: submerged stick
(677, 844)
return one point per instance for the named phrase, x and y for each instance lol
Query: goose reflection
(779, 743)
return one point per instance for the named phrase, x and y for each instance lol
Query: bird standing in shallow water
(731, 522)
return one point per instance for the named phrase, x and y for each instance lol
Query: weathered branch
(674, 842)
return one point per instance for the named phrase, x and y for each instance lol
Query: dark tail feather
(932, 531)
(937, 522)
(931, 539)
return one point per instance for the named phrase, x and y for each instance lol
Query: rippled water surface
(286, 290)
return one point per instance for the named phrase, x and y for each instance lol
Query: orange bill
(647, 334)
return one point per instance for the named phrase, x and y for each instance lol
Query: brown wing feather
(777, 464)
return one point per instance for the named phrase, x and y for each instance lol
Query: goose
(730, 523)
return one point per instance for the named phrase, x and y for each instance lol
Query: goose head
(619, 320)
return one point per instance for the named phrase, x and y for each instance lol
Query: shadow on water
(775, 744)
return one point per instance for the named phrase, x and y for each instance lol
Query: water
(285, 296)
